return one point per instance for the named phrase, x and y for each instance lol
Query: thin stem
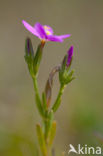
(37, 97)
(58, 99)
(36, 86)
(40, 109)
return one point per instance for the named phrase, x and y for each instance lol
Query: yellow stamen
(47, 30)
(46, 27)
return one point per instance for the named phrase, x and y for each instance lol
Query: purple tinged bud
(49, 84)
(29, 47)
(70, 55)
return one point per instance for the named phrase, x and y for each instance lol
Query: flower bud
(29, 55)
(38, 57)
(64, 75)
(49, 85)
(28, 47)
(70, 56)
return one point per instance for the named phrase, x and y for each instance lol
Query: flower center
(47, 30)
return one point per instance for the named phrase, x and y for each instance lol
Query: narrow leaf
(37, 58)
(56, 105)
(39, 106)
(49, 124)
(58, 99)
(52, 133)
(41, 140)
(44, 101)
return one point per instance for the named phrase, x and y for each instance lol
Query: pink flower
(44, 32)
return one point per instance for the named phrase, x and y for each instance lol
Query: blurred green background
(80, 117)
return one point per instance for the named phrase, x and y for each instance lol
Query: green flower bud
(29, 55)
(65, 76)
(38, 57)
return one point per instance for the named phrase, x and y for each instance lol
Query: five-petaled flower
(44, 32)
(70, 55)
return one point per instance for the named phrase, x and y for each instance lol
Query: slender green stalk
(47, 131)
(58, 99)
(47, 121)
(36, 86)
(37, 97)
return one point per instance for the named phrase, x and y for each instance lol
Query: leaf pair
(41, 138)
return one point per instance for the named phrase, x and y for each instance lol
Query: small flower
(70, 55)
(44, 32)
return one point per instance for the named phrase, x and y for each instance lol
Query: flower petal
(70, 55)
(44, 32)
(39, 28)
(54, 38)
(30, 28)
(64, 36)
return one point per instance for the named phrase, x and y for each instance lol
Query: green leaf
(37, 58)
(56, 105)
(52, 133)
(44, 101)
(49, 123)
(71, 73)
(63, 67)
(39, 106)
(41, 140)
(58, 99)
(69, 77)
(37, 97)
(62, 70)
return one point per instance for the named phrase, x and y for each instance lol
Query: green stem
(37, 97)
(58, 99)
(47, 130)
(36, 86)
(41, 111)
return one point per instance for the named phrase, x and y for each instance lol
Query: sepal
(29, 48)
(70, 77)
(37, 58)
(65, 76)
(29, 54)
